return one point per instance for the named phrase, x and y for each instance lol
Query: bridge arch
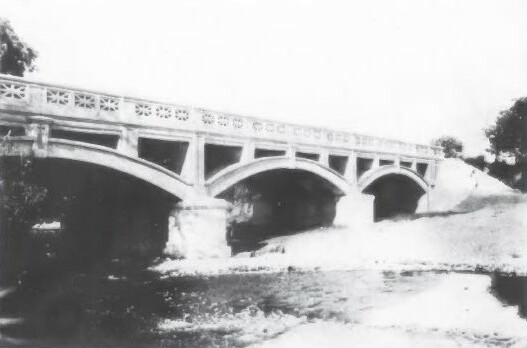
(373, 175)
(397, 190)
(234, 174)
(109, 158)
(275, 195)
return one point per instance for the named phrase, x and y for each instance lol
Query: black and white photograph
(263, 173)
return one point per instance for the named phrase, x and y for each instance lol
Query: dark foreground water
(143, 309)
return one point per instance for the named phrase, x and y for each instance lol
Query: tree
(452, 147)
(16, 57)
(21, 197)
(508, 136)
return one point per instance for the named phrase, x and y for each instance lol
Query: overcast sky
(411, 69)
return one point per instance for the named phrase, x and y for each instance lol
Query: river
(144, 309)
(323, 288)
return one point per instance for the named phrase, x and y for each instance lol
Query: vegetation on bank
(508, 138)
(21, 197)
(508, 143)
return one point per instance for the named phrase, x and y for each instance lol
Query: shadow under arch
(107, 206)
(276, 196)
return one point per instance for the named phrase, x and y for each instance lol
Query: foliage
(21, 197)
(21, 201)
(505, 172)
(20, 194)
(508, 136)
(478, 162)
(452, 147)
(16, 57)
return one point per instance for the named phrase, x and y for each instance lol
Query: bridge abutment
(197, 229)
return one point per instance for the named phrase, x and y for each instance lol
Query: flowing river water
(144, 309)
(135, 306)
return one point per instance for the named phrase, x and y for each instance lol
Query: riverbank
(486, 233)
(477, 224)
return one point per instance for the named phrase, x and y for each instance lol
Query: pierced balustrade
(68, 102)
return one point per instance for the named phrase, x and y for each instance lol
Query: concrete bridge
(210, 161)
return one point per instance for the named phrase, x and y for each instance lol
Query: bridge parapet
(22, 96)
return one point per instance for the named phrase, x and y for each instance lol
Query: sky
(409, 69)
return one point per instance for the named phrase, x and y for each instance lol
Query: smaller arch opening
(107, 140)
(363, 165)
(308, 155)
(168, 154)
(338, 163)
(260, 153)
(14, 131)
(218, 157)
(395, 195)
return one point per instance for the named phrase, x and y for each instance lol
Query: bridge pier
(355, 210)
(197, 229)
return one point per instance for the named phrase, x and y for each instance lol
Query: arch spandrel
(238, 172)
(373, 175)
(109, 158)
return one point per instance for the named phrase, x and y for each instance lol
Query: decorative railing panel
(13, 90)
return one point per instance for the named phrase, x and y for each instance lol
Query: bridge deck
(74, 107)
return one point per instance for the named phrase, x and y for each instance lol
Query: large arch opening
(91, 217)
(278, 202)
(94, 225)
(395, 195)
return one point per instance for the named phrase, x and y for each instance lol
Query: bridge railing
(20, 95)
